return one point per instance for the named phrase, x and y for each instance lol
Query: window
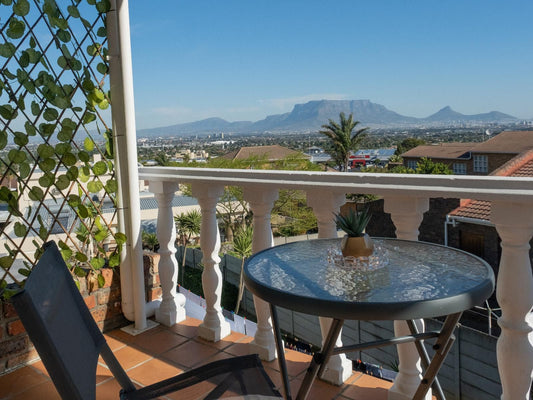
(481, 163)
(459, 168)
(411, 164)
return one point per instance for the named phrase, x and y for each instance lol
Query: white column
(407, 214)
(172, 308)
(214, 327)
(261, 202)
(514, 291)
(324, 205)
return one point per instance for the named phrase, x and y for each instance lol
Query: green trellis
(57, 179)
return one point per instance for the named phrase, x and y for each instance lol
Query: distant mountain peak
(312, 115)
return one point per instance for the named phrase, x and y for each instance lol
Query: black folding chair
(69, 343)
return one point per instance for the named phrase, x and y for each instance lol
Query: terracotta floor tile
(130, 357)
(190, 354)
(159, 342)
(108, 391)
(153, 371)
(43, 391)
(187, 328)
(223, 343)
(239, 349)
(195, 392)
(368, 387)
(113, 343)
(102, 374)
(19, 380)
(297, 362)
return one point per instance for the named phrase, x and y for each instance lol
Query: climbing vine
(57, 177)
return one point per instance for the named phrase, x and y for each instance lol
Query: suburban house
(474, 158)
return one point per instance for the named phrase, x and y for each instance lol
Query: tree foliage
(408, 144)
(343, 138)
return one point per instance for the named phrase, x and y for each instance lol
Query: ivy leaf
(64, 36)
(72, 173)
(24, 170)
(114, 260)
(6, 262)
(44, 150)
(84, 156)
(88, 144)
(36, 193)
(19, 229)
(46, 180)
(8, 112)
(16, 156)
(101, 279)
(16, 28)
(111, 186)
(73, 11)
(100, 168)
(102, 68)
(7, 50)
(21, 139)
(84, 174)
(95, 186)
(102, 32)
(47, 165)
(81, 257)
(97, 263)
(3, 139)
(88, 118)
(74, 201)
(30, 129)
(24, 59)
(47, 129)
(82, 211)
(120, 238)
(63, 148)
(21, 8)
(69, 159)
(62, 182)
(35, 108)
(80, 272)
(50, 114)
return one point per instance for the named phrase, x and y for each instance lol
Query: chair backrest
(60, 326)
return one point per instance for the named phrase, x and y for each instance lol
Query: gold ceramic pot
(361, 246)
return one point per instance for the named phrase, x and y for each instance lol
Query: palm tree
(343, 139)
(242, 245)
(187, 225)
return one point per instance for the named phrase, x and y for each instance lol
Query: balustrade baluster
(324, 205)
(514, 291)
(407, 214)
(172, 308)
(261, 201)
(214, 327)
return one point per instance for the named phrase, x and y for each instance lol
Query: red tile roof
(521, 165)
(441, 150)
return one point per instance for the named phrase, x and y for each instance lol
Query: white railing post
(172, 308)
(407, 214)
(214, 327)
(514, 291)
(324, 205)
(261, 201)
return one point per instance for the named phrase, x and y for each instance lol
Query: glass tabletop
(402, 278)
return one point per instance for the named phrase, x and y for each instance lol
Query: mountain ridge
(313, 114)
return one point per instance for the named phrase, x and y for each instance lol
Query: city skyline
(245, 60)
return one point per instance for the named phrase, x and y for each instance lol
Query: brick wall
(103, 303)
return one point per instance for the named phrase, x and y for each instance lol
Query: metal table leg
(318, 363)
(281, 352)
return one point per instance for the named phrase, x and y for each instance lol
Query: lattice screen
(56, 171)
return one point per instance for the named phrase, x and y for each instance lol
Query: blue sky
(244, 60)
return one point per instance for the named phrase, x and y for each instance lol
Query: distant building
(364, 157)
(469, 228)
(473, 158)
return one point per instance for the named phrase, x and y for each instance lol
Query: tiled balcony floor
(163, 352)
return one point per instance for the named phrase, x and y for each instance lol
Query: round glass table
(402, 280)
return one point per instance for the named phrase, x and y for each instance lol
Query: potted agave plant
(356, 243)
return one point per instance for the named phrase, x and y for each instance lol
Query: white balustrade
(406, 199)
(514, 291)
(407, 214)
(214, 327)
(325, 204)
(172, 308)
(261, 201)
